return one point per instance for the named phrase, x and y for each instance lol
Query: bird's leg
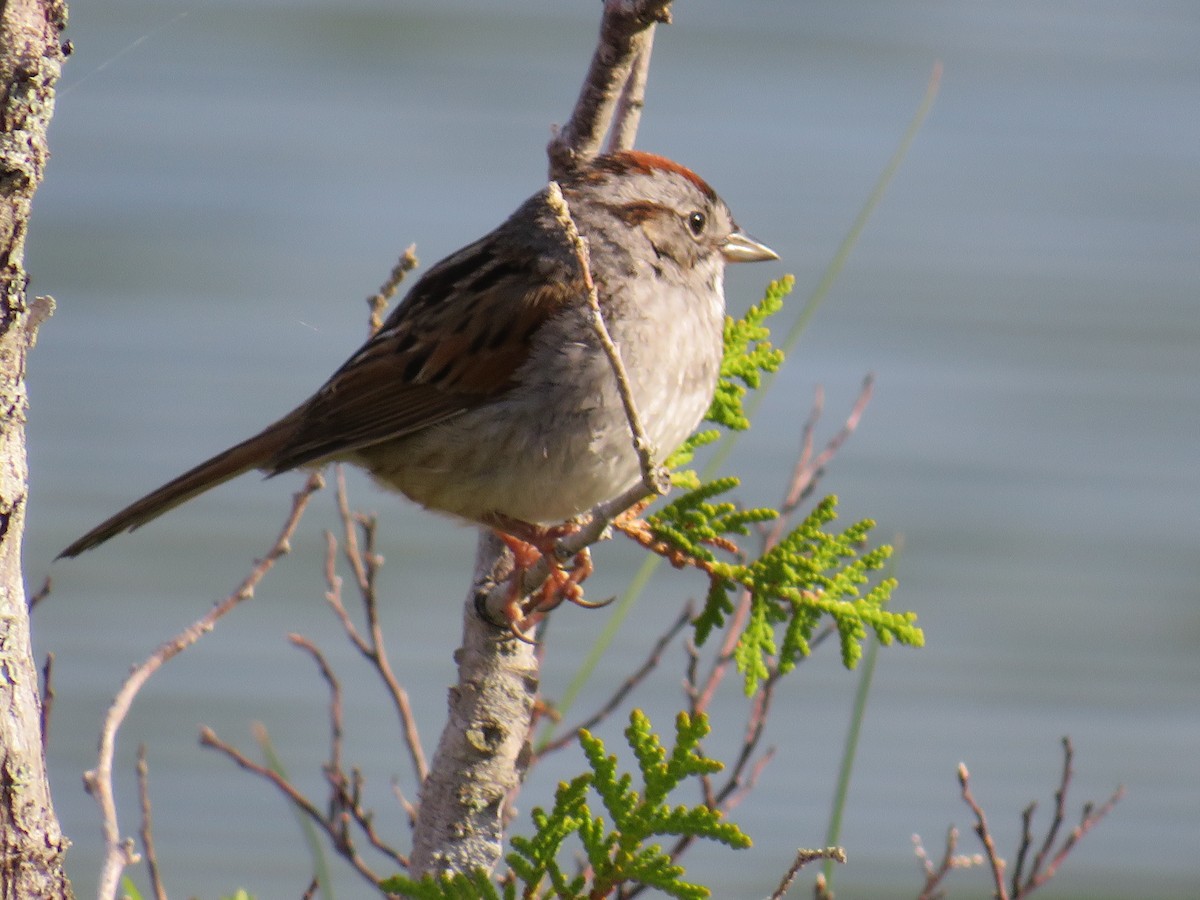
(530, 544)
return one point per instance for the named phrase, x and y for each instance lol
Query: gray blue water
(230, 180)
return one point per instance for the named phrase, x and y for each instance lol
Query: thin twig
(1025, 845)
(352, 553)
(48, 696)
(627, 686)
(332, 827)
(372, 646)
(1089, 819)
(333, 768)
(410, 808)
(147, 830)
(654, 482)
(803, 858)
(950, 861)
(98, 781)
(1060, 811)
(985, 835)
(345, 801)
(652, 477)
(808, 470)
(41, 593)
(756, 725)
(378, 301)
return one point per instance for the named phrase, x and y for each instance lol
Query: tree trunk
(31, 844)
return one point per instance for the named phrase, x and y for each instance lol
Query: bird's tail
(249, 454)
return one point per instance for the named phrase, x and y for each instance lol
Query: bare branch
(985, 835)
(147, 829)
(1089, 819)
(365, 565)
(950, 861)
(803, 858)
(808, 470)
(332, 826)
(652, 477)
(628, 114)
(333, 768)
(40, 594)
(626, 688)
(98, 781)
(48, 696)
(624, 36)
(378, 301)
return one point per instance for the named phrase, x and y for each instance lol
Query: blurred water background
(230, 180)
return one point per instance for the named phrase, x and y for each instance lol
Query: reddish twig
(333, 768)
(98, 781)
(365, 566)
(1090, 817)
(626, 688)
(147, 829)
(985, 834)
(951, 860)
(808, 470)
(333, 826)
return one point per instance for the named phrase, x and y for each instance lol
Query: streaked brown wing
(457, 340)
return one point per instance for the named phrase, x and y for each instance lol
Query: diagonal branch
(626, 32)
(628, 114)
(652, 477)
(98, 781)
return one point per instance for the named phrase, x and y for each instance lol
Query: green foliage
(622, 853)
(129, 890)
(474, 885)
(618, 854)
(807, 574)
(748, 354)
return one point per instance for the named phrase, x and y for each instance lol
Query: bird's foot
(530, 544)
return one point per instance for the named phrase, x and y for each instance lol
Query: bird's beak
(739, 247)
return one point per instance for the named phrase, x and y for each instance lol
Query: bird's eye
(696, 222)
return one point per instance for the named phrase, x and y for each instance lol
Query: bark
(31, 844)
(483, 751)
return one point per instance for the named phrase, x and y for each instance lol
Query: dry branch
(98, 781)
